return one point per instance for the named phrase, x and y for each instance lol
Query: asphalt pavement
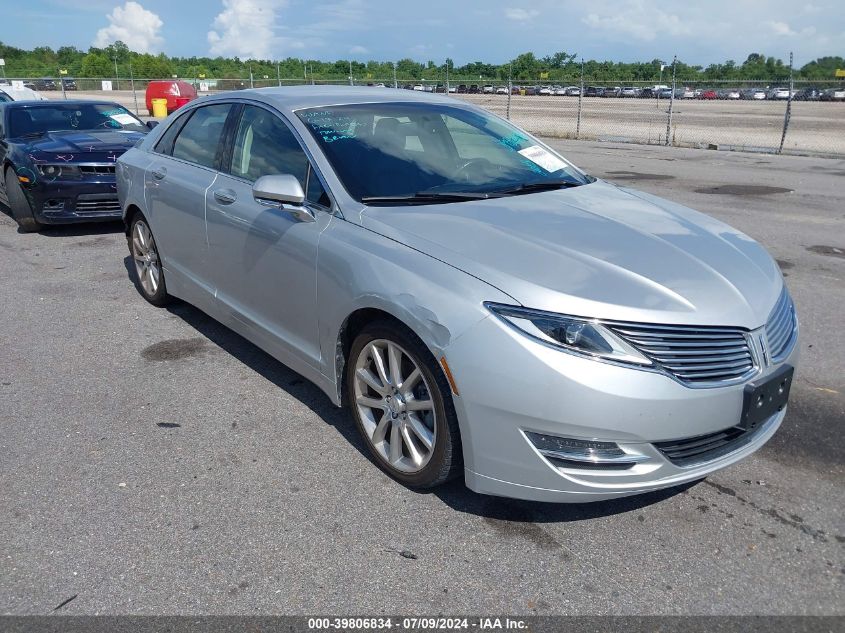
(154, 462)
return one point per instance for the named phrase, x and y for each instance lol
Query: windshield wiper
(32, 135)
(423, 197)
(532, 187)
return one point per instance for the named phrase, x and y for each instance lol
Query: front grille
(99, 170)
(695, 355)
(97, 203)
(782, 328)
(704, 448)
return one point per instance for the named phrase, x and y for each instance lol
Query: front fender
(358, 268)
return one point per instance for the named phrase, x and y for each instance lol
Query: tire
(19, 204)
(149, 272)
(444, 459)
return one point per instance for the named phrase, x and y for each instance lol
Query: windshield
(72, 116)
(382, 150)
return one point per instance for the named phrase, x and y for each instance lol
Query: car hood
(82, 142)
(598, 251)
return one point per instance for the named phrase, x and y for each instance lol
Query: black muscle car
(58, 157)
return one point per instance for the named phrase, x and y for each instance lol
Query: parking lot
(153, 462)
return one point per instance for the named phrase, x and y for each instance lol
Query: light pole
(278, 73)
(395, 85)
(351, 82)
(116, 76)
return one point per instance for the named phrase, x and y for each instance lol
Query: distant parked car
(473, 89)
(515, 90)
(453, 89)
(45, 84)
(8, 93)
(708, 95)
(546, 90)
(755, 94)
(461, 89)
(572, 91)
(612, 91)
(808, 94)
(488, 89)
(502, 90)
(731, 93)
(69, 84)
(779, 93)
(176, 92)
(833, 94)
(647, 93)
(630, 91)
(418, 87)
(665, 93)
(531, 90)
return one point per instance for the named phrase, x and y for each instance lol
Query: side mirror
(280, 190)
(151, 124)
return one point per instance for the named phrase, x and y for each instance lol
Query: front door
(263, 259)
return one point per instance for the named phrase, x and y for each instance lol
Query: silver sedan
(481, 306)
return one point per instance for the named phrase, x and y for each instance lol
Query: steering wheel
(468, 164)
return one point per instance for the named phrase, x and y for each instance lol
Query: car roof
(53, 102)
(290, 98)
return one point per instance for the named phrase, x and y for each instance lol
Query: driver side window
(264, 145)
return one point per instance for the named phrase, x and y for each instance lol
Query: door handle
(159, 173)
(225, 196)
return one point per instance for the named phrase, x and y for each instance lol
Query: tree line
(43, 61)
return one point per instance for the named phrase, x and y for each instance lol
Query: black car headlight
(59, 172)
(585, 337)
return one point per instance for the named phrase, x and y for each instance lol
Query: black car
(69, 84)
(46, 84)
(59, 159)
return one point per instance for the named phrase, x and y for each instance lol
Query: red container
(177, 93)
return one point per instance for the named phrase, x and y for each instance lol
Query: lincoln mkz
(483, 307)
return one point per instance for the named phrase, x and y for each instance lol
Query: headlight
(56, 172)
(585, 337)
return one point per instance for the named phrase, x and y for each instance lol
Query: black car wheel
(19, 204)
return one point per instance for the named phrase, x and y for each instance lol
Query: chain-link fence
(740, 115)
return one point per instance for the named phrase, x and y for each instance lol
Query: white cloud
(245, 28)
(358, 50)
(639, 19)
(780, 28)
(521, 15)
(133, 25)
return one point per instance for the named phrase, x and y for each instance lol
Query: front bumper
(511, 385)
(69, 201)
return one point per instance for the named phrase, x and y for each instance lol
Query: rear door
(184, 166)
(263, 259)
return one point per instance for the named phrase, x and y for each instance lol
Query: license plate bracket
(763, 398)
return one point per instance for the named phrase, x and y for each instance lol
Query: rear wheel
(402, 405)
(148, 268)
(19, 204)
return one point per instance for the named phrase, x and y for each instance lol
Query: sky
(699, 32)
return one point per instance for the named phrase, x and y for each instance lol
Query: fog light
(571, 453)
(54, 204)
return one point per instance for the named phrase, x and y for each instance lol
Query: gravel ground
(155, 462)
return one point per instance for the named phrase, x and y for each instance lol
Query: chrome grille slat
(781, 328)
(695, 355)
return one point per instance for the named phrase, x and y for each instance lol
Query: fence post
(580, 96)
(671, 102)
(132, 83)
(788, 113)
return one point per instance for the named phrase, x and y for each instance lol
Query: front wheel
(19, 204)
(401, 403)
(148, 268)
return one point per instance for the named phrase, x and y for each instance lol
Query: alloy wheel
(395, 406)
(145, 254)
